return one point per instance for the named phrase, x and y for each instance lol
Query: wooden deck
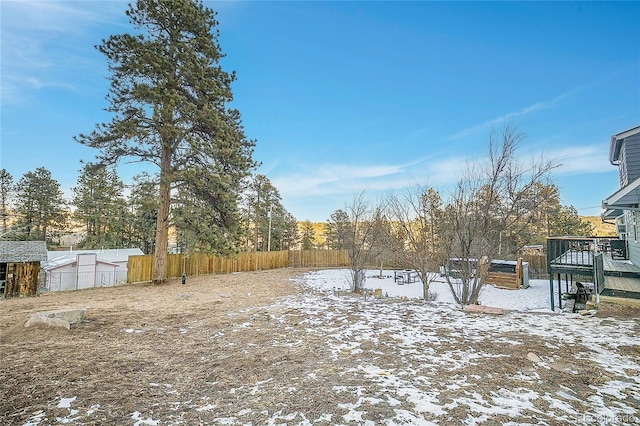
(622, 267)
(622, 283)
(621, 278)
(573, 258)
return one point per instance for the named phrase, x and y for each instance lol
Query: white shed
(83, 271)
(118, 257)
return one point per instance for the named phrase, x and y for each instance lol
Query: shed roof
(72, 259)
(23, 251)
(111, 255)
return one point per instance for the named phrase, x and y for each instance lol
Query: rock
(62, 318)
(563, 368)
(484, 309)
(534, 358)
(586, 312)
(47, 322)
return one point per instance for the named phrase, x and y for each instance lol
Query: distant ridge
(600, 229)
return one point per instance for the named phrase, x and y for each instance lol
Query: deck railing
(569, 253)
(571, 256)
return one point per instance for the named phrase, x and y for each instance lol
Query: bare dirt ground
(106, 365)
(230, 349)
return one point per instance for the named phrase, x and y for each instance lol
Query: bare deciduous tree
(360, 235)
(492, 198)
(415, 219)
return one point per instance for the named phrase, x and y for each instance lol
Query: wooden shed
(20, 267)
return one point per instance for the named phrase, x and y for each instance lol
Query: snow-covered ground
(534, 298)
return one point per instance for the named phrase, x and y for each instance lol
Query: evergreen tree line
(109, 214)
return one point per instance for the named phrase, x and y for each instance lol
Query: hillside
(600, 228)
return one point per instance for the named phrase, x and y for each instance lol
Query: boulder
(62, 318)
(534, 358)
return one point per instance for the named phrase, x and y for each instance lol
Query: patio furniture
(618, 249)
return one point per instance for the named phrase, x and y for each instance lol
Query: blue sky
(350, 96)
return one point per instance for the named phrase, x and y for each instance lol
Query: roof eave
(614, 200)
(616, 143)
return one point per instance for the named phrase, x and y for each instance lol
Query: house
(612, 266)
(20, 267)
(80, 269)
(623, 206)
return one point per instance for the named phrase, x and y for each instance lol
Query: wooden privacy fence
(537, 265)
(318, 258)
(140, 268)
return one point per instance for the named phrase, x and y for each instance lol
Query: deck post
(560, 291)
(551, 290)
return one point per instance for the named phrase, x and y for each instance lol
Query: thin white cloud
(420, 132)
(582, 159)
(341, 179)
(51, 16)
(325, 184)
(332, 179)
(345, 179)
(40, 40)
(511, 115)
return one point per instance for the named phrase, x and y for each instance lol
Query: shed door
(86, 270)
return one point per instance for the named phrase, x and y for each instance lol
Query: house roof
(611, 214)
(110, 255)
(624, 198)
(616, 143)
(23, 251)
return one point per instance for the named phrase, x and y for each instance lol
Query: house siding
(629, 160)
(634, 252)
(633, 237)
(622, 169)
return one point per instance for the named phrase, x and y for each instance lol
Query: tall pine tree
(169, 97)
(6, 186)
(143, 202)
(40, 207)
(100, 207)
